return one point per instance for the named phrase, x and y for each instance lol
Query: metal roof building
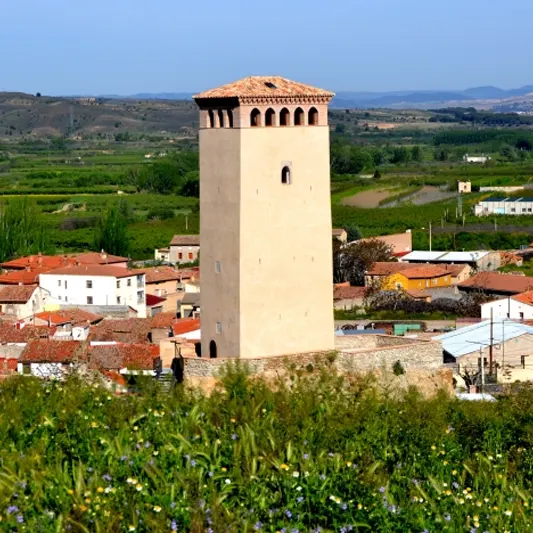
(497, 205)
(481, 260)
(470, 339)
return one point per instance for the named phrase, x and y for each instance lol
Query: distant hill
(24, 114)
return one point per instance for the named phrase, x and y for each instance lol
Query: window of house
(255, 118)
(434, 282)
(26, 369)
(66, 284)
(180, 255)
(89, 284)
(299, 117)
(218, 267)
(219, 327)
(118, 300)
(59, 283)
(285, 117)
(89, 300)
(521, 316)
(190, 255)
(118, 284)
(286, 175)
(140, 281)
(270, 117)
(221, 121)
(140, 297)
(211, 118)
(60, 297)
(398, 286)
(129, 282)
(66, 298)
(313, 117)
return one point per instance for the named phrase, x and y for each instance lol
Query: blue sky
(129, 46)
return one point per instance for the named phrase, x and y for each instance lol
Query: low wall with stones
(417, 356)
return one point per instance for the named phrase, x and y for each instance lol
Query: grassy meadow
(319, 453)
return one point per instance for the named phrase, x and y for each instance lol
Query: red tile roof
(386, 268)
(185, 325)
(69, 316)
(454, 270)
(118, 356)
(348, 293)
(94, 270)
(417, 293)
(8, 365)
(44, 262)
(17, 293)
(496, 282)
(163, 320)
(10, 334)
(21, 277)
(525, 298)
(49, 351)
(96, 258)
(402, 243)
(264, 86)
(425, 272)
(161, 274)
(185, 240)
(129, 330)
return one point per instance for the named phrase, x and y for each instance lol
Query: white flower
(157, 509)
(131, 528)
(139, 487)
(298, 488)
(296, 474)
(227, 481)
(508, 513)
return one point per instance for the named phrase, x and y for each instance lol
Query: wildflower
(359, 506)
(174, 525)
(100, 489)
(138, 487)
(234, 436)
(300, 499)
(447, 517)
(157, 509)
(258, 526)
(306, 456)
(131, 528)
(211, 473)
(227, 481)
(508, 513)
(288, 514)
(107, 477)
(224, 469)
(296, 474)
(20, 518)
(12, 509)
(382, 489)
(193, 463)
(108, 490)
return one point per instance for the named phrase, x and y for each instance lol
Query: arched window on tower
(230, 118)
(211, 119)
(299, 117)
(255, 118)
(270, 117)
(286, 175)
(313, 117)
(221, 122)
(285, 117)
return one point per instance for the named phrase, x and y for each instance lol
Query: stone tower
(265, 219)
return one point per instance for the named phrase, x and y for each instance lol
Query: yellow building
(265, 225)
(407, 276)
(419, 277)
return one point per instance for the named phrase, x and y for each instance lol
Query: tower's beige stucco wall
(273, 241)
(285, 255)
(219, 239)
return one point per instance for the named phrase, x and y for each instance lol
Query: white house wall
(507, 308)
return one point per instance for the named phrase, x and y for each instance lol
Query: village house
(401, 243)
(184, 249)
(154, 305)
(21, 301)
(458, 273)
(479, 261)
(346, 298)
(124, 359)
(497, 284)
(516, 307)
(464, 187)
(51, 359)
(407, 277)
(185, 341)
(510, 343)
(96, 285)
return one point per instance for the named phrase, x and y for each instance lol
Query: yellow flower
(83, 508)
(157, 509)
(94, 425)
(461, 501)
(359, 506)
(87, 500)
(100, 489)
(348, 464)
(233, 420)
(433, 447)
(454, 472)
(224, 469)
(70, 491)
(284, 467)
(139, 487)
(495, 508)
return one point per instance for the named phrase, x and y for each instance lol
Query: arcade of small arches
(223, 118)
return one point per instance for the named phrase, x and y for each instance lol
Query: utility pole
(491, 341)
(187, 222)
(503, 343)
(430, 236)
(482, 369)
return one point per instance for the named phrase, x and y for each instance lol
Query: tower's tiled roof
(264, 87)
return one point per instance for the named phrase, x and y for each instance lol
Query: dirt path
(367, 198)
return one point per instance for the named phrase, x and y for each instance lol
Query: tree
(351, 262)
(38, 95)
(340, 128)
(400, 154)
(354, 234)
(416, 153)
(112, 233)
